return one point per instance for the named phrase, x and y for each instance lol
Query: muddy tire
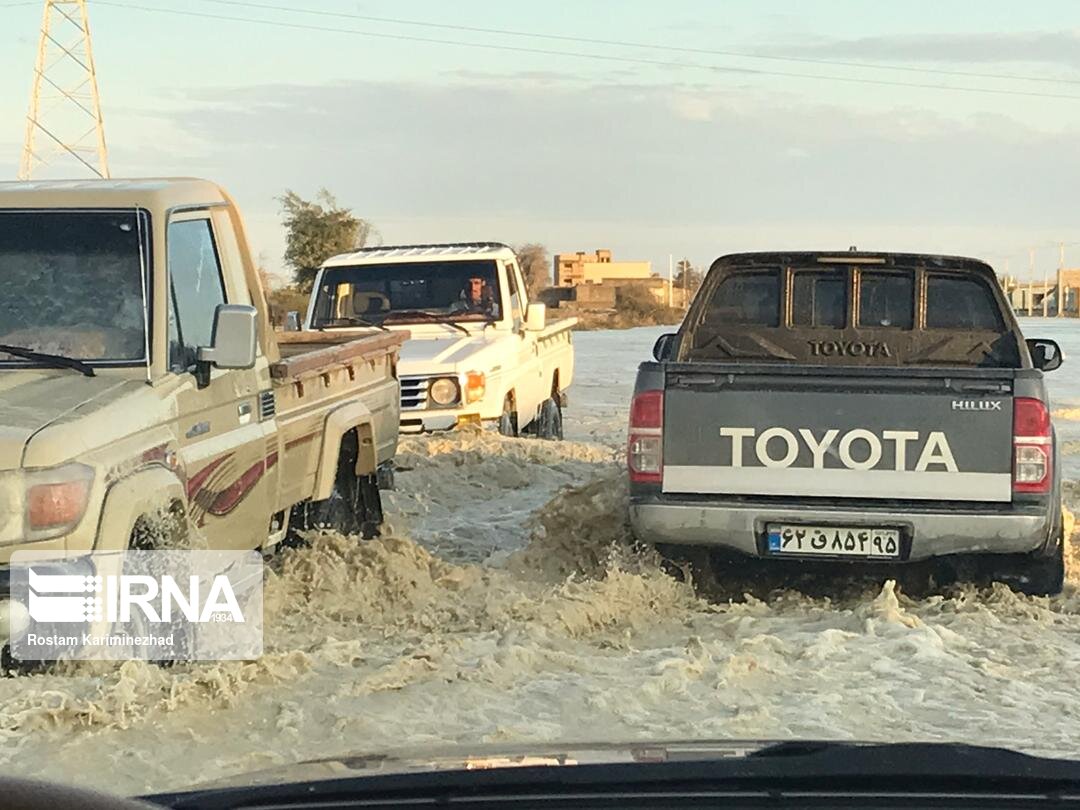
(692, 564)
(508, 420)
(165, 530)
(354, 505)
(1042, 573)
(549, 424)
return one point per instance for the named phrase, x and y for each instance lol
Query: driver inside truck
(477, 297)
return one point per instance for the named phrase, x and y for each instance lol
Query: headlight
(56, 499)
(443, 391)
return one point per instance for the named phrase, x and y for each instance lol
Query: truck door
(223, 448)
(530, 387)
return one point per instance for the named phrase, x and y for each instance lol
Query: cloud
(1033, 47)
(692, 107)
(522, 76)
(611, 165)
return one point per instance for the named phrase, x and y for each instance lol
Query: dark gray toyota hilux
(851, 407)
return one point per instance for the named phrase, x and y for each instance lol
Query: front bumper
(742, 527)
(15, 613)
(431, 421)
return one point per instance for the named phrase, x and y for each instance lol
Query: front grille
(414, 393)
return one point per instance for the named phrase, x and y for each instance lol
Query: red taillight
(644, 447)
(1032, 446)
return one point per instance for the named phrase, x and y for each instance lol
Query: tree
(635, 301)
(316, 230)
(535, 266)
(687, 277)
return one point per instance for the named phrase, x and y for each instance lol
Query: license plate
(834, 541)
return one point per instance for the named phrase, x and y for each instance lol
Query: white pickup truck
(479, 350)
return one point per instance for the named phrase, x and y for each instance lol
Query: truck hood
(31, 399)
(427, 759)
(677, 764)
(426, 354)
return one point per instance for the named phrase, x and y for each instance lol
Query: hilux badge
(976, 404)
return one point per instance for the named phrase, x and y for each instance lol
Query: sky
(682, 128)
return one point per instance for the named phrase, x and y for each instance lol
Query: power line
(653, 46)
(593, 56)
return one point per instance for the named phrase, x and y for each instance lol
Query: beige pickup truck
(144, 398)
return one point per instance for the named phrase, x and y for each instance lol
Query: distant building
(1042, 297)
(572, 269)
(593, 282)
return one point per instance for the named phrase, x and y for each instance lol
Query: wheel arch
(136, 498)
(353, 417)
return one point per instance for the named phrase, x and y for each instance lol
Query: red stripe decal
(196, 481)
(230, 497)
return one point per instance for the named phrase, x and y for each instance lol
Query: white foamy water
(504, 604)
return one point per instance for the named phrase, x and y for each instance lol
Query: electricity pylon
(65, 111)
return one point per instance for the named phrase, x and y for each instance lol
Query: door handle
(243, 410)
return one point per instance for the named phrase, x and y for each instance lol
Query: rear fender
(148, 492)
(354, 415)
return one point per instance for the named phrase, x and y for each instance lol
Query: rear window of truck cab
(769, 313)
(886, 299)
(748, 298)
(823, 297)
(955, 302)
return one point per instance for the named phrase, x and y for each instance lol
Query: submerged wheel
(549, 424)
(1042, 573)
(508, 420)
(687, 563)
(354, 505)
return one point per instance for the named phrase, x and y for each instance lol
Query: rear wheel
(1042, 573)
(693, 564)
(354, 505)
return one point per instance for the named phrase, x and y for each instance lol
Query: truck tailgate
(897, 434)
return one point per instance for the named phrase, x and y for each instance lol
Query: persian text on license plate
(834, 541)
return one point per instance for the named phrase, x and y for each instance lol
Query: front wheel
(508, 419)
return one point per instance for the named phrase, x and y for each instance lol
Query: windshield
(412, 292)
(70, 284)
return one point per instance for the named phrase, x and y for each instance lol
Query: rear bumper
(742, 527)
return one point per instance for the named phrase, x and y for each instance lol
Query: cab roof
(449, 251)
(869, 259)
(154, 193)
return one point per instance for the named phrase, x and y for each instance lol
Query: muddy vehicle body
(144, 397)
(820, 410)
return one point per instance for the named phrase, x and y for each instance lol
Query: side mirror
(232, 343)
(663, 347)
(535, 317)
(292, 321)
(1046, 355)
